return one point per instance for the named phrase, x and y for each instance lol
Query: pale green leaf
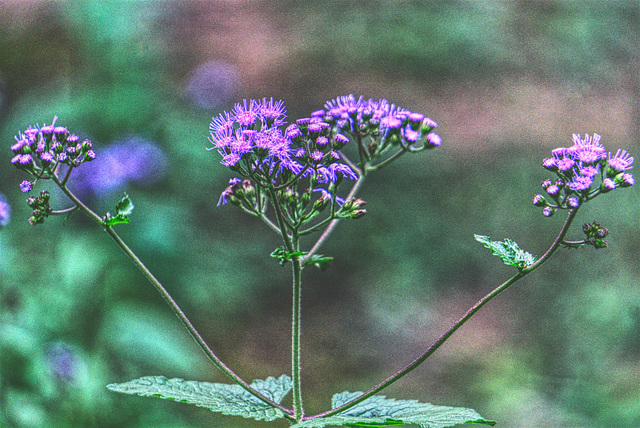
(124, 208)
(218, 397)
(379, 411)
(508, 251)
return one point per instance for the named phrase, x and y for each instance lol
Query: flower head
(380, 118)
(39, 150)
(578, 167)
(25, 186)
(621, 162)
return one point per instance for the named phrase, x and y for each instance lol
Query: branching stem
(172, 303)
(447, 334)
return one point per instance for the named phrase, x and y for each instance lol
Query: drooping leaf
(508, 251)
(379, 411)
(124, 208)
(319, 261)
(218, 397)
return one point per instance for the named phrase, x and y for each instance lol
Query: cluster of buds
(352, 208)
(239, 192)
(40, 206)
(595, 234)
(39, 151)
(584, 170)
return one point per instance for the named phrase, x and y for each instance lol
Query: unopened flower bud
(573, 202)
(434, 140)
(25, 186)
(322, 203)
(339, 141)
(415, 121)
(73, 139)
(627, 180)
(428, 125)
(249, 189)
(548, 211)
(305, 198)
(607, 185)
(357, 213)
(57, 147)
(550, 164)
(540, 201)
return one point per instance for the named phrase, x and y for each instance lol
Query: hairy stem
(447, 334)
(172, 304)
(295, 335)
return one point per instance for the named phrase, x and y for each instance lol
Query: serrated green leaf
(124, 207)
(218, 397)
(379, 411)
(508, 251)
(109, 220)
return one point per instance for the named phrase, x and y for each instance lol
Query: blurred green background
(507, 81)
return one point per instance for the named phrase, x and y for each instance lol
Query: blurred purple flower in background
(62, 361)
(131, 160)
(5, 211)
(212, 84)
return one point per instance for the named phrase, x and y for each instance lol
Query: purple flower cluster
(252, 143)
(63, 361)
(584, 171)
(395, 125)
(39, 151)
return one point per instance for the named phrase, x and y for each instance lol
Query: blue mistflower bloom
(580, 183)
(578, 168)
(621, 162)
(249, 139)
(25, 186)
(5, 211)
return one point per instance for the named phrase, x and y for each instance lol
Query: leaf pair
(376, 411)
(317, 260)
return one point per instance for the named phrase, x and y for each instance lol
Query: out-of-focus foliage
(506, 81)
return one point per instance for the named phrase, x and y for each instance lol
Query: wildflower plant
(301, 179)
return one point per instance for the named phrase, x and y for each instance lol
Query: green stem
(281, 220)
(298, 411)
(447, 334)
(172, 304)
(387, 161)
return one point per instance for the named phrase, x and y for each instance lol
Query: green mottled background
(507, 81)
